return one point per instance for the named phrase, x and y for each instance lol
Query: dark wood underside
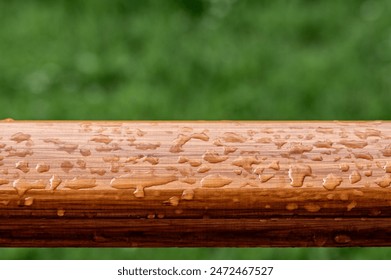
(276, 232)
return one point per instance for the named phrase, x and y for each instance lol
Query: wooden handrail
(195, 183)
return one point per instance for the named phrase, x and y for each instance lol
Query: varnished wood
(195, 183)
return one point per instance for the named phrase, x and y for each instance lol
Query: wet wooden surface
(195, 184)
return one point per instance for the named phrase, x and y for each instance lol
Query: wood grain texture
(198, 183)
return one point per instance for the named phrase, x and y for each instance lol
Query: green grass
(199, 253)
(195, 59)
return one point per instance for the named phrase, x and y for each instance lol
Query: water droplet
(54, 182)
(213, 157)
(319, 240)
(344, 167)
(344, 196)
(98, 171)
(245, 162)
(189, 180)
(85, 152)
(342, 239)
(142, 179)
(384, 181)
(215, 181)
(23, 166)
(368, 132)
(186, 129)
(218, 142)
(275, 165)
(42, 167)
(317, 158)
(297, 173)
(387, 167)
(386, 151)
(29, 143)
(116, 130)
(160, 216)
(354, 144)
(182, 159)
(174, 201)
(330, 196)
(251, 132)
(265, 177)
(69, 148)
(299, 148)
(28, 201)
(102, 139)
(66, 166)
(55, 141)
(114, 167)
(147, 146)
(279, 143)
(291, 206)
(188, 194)
(363, 155)
(111, 159)
(81, 163)
(185, 171)
(139, 192)
(195, 163)
(131, 140)
(151, 216)
(331, 181)
(19, 153)
(358, 193)
(60, 212)
(140, 133)
(324, 144)
(264, 140)
(354, 177)
(151, 160)
(351, 205)
(324, 130)
(183, 139)
(337, 159)
(20, 137)
(309, 136)
(267, 130)
(22, 185)
(108, 148)
(229, 150)
(238, 171)
(311, 207)
(368, 173)
(80, 183)
(133, 159)
(233, 137)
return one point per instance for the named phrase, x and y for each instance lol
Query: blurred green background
(195, 59)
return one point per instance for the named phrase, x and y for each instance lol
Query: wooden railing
(198, 183)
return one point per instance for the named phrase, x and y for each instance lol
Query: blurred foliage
(198, 253)
(195, 59)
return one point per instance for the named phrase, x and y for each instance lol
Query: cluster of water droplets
(195, 159)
